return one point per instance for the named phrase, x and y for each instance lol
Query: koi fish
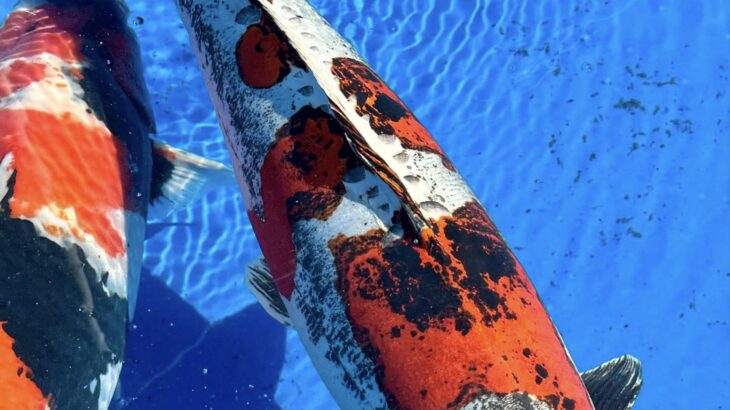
(375, 249)
(79, 176)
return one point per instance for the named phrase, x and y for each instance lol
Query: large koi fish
(77, 174)
(376, 251)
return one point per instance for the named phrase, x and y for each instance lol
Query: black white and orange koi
(377, 252)
(76, 178)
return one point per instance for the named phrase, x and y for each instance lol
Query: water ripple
(595, 132)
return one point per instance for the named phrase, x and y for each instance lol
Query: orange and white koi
(377, 252)
(76, 181)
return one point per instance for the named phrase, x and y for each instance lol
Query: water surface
(596, 135)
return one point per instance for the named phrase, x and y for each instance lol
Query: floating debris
(631, 105)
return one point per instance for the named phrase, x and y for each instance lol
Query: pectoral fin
(615, 384)
(261, 284)
(178, 177)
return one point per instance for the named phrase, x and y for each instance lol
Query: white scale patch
(368, 189)
(436, 190)
(512, 401)
(60, 94)
(134, 226)
(108, 383)
(6, 171)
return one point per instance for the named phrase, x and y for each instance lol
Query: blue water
(595, 133)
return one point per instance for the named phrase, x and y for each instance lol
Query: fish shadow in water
(175, 359)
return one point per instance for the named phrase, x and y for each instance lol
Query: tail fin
(615, 384)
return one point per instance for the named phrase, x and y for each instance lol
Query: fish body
(76, 181)
(376, 250)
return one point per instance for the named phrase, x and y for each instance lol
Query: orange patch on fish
(301, 178)
(19, 75)
(55, 155)
(264, 56)
(388, 114)
(17, 389)
(458, 311)
(45, 29)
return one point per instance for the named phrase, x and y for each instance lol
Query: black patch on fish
(57, 311)
(467, 393)
(486, 260)
(553, 400)
(302, 159)
(415, 288)
(314, 205)
(390, 108)
(417, 291)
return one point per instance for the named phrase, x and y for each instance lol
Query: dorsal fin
(260, 282)
(380, 128)
(615, 384)
(380, 167)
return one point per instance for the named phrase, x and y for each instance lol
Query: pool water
(596, 133)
